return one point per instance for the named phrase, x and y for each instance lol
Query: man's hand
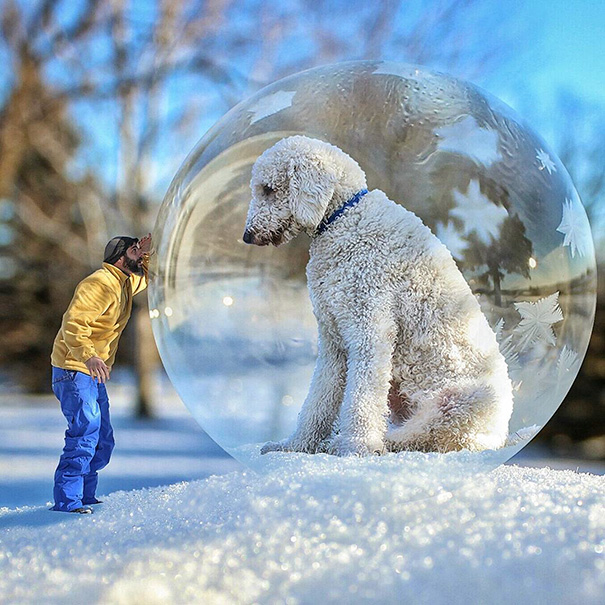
(97, 368)
(145, 244)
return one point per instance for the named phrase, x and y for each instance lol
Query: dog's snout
(247, 237)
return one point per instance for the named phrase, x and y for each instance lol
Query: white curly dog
(407, 360)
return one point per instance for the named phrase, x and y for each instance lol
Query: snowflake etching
(468, 138)
(574, 226)
(507, 348)
(545, 161)
(568, 365)
(478, 213)
(537, 319)
(450, 237)
(282, 99)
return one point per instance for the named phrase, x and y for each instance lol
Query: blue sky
(573, 46)
(567, 53)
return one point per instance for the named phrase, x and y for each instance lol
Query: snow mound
(419, 474)
(337, 532)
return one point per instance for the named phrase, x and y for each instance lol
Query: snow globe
(233, 322)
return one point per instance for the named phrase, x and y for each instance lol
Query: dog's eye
(268, 190)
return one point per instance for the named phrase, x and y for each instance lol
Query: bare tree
(122, 95)
(136, 84)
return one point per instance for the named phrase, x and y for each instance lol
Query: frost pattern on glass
(267, 106)
(545, 161)
(466, 137)
(451, 237)
(537, 320)
(478, 214)
(575, 228)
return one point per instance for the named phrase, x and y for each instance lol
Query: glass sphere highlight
(233, 322)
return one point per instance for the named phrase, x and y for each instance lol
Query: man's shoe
(82, 510)
(94, 501)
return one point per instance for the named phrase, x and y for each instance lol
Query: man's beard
(133, 265)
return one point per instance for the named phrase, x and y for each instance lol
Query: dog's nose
(247, 237)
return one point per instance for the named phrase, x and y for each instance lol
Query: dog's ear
(311, 189)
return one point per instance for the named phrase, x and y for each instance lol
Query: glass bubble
(233, 322)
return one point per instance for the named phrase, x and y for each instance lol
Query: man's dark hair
(116, 248)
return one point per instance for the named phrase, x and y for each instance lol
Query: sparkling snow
(338, 535)
(324, 530)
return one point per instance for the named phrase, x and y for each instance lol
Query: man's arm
(97, 368)
(91, 299)
(140, 281)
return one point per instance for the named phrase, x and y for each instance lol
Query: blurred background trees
(100, 100)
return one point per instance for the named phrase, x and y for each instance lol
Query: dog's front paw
(274, 446)
(288, 445)
(324, 446)
(340, 446)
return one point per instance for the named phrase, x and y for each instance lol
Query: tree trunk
(497, 287)
(146, 362)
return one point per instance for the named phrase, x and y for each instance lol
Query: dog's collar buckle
(348, 204)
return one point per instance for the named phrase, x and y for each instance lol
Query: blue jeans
(88, 438)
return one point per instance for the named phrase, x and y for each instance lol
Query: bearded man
(82, 357)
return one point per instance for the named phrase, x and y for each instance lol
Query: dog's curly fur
(399, 328)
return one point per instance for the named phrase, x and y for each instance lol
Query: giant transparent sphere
(233, 322)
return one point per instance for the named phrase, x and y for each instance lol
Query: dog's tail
(472, 417)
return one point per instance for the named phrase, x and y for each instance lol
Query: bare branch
(41, 17)
(48, 228)
(380, 28)
(87, 21)
(11, 25)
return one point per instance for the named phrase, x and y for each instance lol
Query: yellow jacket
(96, 317)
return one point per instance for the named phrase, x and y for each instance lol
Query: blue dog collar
(348, 204)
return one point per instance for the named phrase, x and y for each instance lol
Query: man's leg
(104, 448)
(77, 394)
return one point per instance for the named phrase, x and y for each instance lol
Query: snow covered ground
(336, 531)
(164, 450)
